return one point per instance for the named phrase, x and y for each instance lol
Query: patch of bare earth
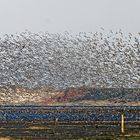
(17, 95)
(1, 138)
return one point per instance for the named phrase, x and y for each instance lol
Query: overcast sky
(70, 15)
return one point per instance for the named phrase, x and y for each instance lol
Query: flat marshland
(71, 122)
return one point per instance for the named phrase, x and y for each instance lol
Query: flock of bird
(64, 60)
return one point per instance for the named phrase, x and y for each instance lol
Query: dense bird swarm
(64, 60)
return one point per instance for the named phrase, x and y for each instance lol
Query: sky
(75, 16)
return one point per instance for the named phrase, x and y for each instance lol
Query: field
(60, 122)
(67, 131)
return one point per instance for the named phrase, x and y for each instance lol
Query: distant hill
(13, 95)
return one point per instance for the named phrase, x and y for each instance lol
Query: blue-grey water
(69, 113)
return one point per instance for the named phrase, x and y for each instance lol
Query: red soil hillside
(64, 96)
(14, 95)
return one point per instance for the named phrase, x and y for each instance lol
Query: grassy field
(66, 130)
